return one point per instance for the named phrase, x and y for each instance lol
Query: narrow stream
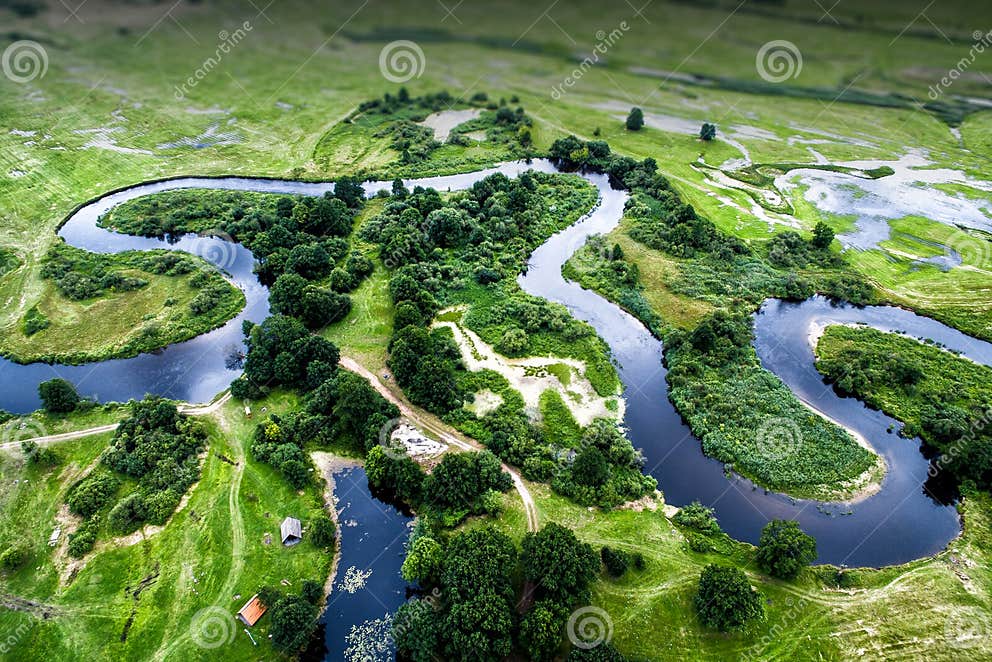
(900, 523)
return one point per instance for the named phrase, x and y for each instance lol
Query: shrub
(14, 557)
(322, 531)
(697, 516)
(92, 494)
(616, 561)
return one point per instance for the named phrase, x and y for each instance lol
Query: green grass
(113, 324)
(557, 422)
(653, 617)
(209, 551)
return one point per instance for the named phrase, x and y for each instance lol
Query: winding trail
(444, 432)
(422, 419)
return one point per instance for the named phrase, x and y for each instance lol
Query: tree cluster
(472, 572)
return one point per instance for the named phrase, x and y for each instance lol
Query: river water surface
(902, 522)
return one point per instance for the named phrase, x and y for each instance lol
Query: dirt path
(188, 409)
(444, 433)
(237, 569)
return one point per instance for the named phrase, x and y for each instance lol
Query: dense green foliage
(940, 397)
(157, 447)
(148, 467)
(635, 119)
(467, 248)
(392, 126)
(58, 396)
(473, 573)
(725, 600)
(292, 618)
(784, 549)
(716, 380)
(343, 410)
(560, 567)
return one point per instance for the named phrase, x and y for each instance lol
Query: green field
(210, 551)
(286, 102)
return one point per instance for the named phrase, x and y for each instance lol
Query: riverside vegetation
(716, 381)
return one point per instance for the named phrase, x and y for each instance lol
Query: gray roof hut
(292, 531)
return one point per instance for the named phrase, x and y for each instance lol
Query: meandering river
(899, 523)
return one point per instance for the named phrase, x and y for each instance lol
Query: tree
(461, 479)
(591, 468)
(708, 131)
(635, 120)
(480, 628)
(514, 342)
(322, 531)
(697, 516)
(92, 494)
(605, 652)
(423, 562)
(58, 396)
(14, 557)
(559, 564)
(292, 622)
(417, 631)
(823, 236)
(725, 599)
(541, 630)
(784, 549)
(478, 561)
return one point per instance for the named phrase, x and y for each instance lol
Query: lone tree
(708, 132)
(635, 120)
(725, 599)
(58, 396)
(823, 236)
(784, 549)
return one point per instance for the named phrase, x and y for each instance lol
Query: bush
(14, 557)
(83, 540)
(697, 516)
(92, 494)
(322, 531)
(616, 561)
(127, 515)
(725, 600)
